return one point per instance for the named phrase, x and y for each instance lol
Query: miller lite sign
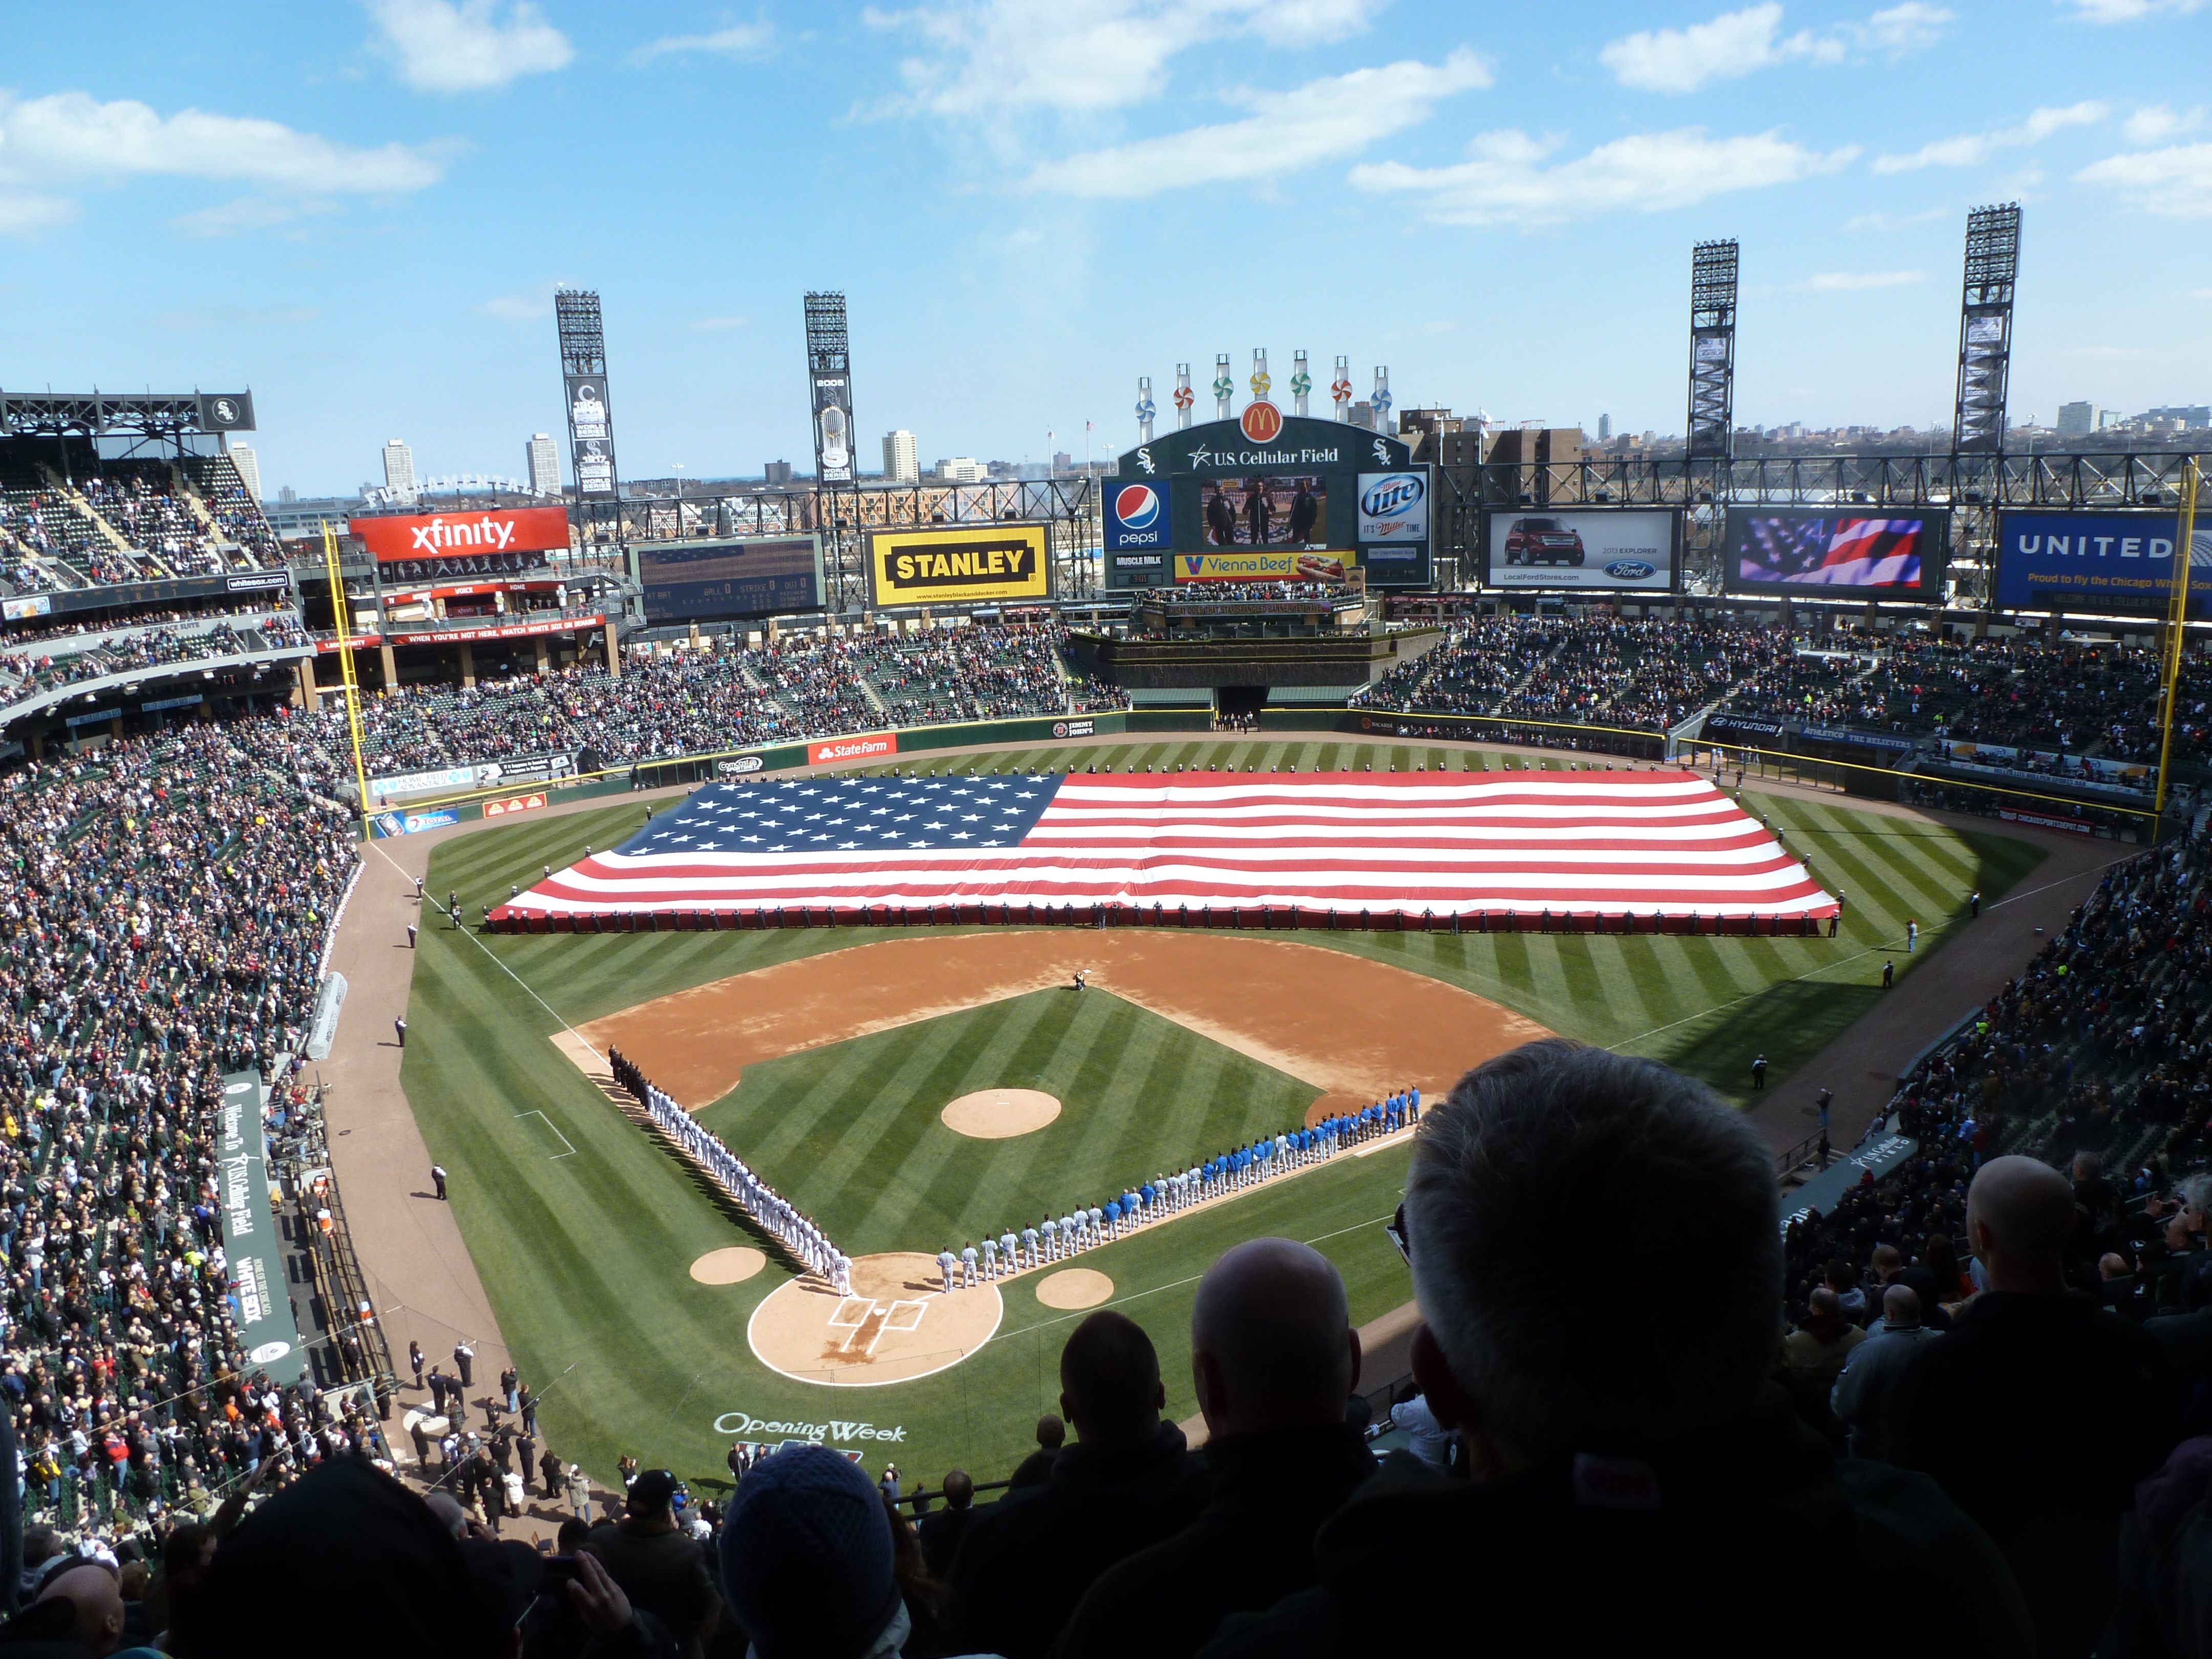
(1137, 517)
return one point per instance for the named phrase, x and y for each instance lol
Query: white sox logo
(1144, 459)
(1382, 452)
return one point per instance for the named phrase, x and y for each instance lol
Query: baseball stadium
(1343, 1005)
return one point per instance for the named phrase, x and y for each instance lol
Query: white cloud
(2175, 183)
(25, 213)
(1901, 31)
(250, 212)
(2128, 11)
(1505, 181)
(2158, 123)
(442, 46)
(1971, 149)
(1320, 121)
(1852, 282)
(527, 306)
(1740, 43)
(68, 134)
(1894, 221)
(714, 324)
(739, 40)
(993, 57)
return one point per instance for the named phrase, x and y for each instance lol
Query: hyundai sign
(1137, 518)
(2121, 562)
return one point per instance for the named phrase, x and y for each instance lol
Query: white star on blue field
(850, 814)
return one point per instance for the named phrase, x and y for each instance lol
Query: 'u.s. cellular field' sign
(1268, 496)
(2121, 562)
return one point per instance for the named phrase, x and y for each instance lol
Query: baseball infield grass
(586, 1256)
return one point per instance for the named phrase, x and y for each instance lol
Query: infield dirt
(1354, 1028)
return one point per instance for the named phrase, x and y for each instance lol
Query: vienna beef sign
(462, 535)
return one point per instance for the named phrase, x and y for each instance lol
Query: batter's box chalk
(867, 1304)
(891, 1315)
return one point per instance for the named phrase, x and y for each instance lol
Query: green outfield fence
(2033, 808)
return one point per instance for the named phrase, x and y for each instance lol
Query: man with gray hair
(1637, 1481)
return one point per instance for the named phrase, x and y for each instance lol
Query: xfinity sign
(447, 536)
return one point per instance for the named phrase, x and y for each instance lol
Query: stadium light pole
(2184, 549)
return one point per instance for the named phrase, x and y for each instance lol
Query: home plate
(896, 1324)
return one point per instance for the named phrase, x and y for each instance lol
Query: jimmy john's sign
(979, 564)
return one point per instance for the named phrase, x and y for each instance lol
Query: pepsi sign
(1137, 517)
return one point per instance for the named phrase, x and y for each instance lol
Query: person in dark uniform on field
(1758, 1072)
(1220, 519)
(1889, 975)
(1258, 506)
(1304, 509)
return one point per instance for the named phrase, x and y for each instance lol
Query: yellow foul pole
(2184, 548)
(342, 617)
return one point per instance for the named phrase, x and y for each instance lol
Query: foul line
(550, 1124)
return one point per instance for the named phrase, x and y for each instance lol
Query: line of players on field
(1081, 1229)
(776, 1215)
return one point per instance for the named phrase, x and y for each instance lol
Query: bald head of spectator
(93, 1591)
(2019, 1215)
(1900, 1307)
(1109, 1381)
(1887, 1262)
(1271, 1345)
(2113, 1265)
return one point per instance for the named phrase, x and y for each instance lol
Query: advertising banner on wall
(727, 578)
(259, 1288)
(833, 428)
(1596, 549)
(1139, 534)
(2120, 563)
(1263, 565)
(590, 434)
(1875, 553)
(950, 565)
(438, 538)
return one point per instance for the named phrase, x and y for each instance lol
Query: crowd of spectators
(140, 650)
(2005, 1463)
(164, 924)
(45, 525)
(139, 501)
(697, 702)
(2066, 700)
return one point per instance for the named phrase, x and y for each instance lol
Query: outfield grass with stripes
(584, 1257)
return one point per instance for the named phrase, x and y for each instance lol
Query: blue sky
(361, 210)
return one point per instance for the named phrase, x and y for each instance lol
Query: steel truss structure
(100, 415)
(1712, 351)
(2057, 481)
(584, 352)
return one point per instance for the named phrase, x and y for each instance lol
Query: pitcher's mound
(1074, 1287)
(731, 1267)
(1000, 1113)
(897, 1324)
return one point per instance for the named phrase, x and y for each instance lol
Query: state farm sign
(845, 748)
(462, 535)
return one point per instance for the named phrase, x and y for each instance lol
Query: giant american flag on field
(1657, 842)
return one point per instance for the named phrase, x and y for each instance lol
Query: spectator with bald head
(1273, 1356)
(79, 1610)
(1637, 1481)
(1129, 1481)
(1861, 1396)
(2040, 1410)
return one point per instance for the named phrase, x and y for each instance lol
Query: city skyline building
(902, 465)
(542, 463)
(249, 468)
(400, 469)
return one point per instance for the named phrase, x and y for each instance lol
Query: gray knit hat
(806, 1557)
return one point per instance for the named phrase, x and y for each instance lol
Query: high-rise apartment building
(543, 462)
(400, 469)
(1605, 428)
(901, 463)
(777, 474)
(961, 469)
(2078, 420)
(249, 468)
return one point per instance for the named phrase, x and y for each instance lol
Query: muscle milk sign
(462, 535)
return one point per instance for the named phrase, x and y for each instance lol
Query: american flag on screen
(1648, 842)
(1841, 552)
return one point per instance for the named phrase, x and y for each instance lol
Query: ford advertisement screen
(1607, 549)
(1882, 552)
